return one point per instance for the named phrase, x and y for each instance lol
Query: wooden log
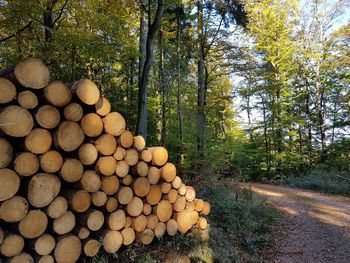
(184, 221)
(139, 223)
(73, 112)
(122, 169)
(206, 209)
(16, 121)
(106, 144)
(154, 195)
(26, 163)
(32, 73)
(57, 207)
(78, 200)
(172, 196)
(125, 195)
(7, 91)
(182, 190)
(147, 209)
(199, 204)
(9, 182)
(51, 161)
(82, 232)
(93, 219)
(146, 237)
(111, 204)
(6, 153)
(99, 198)
(139, 143)
(114, 123)
(88, 154)
(14, 209)
(27, 99)
(168, 172)
(190, 193)
(153, 175)
(70, 136)
(146, 156)
(42, 189)
(91, 247)
(22, 258)
(87, 91)
(12, 245)
(166, 187)
(179, 204)
(128, 236)
(68, 249)
(126, 139)
(190, 206)
(160, 230)
(1, 236)
(202, 223)
(176, 183)
(45, 259)
(92, 125)
(57, 93)
(152, 221)
(90, 181)
(195, 217)
(47, 117)
(134, 207)
(119, 153)
(106, 165)
(128, 222)
(71, 170)
(38, 141)
(164, 210)
(171, 227)
(110, 184)
(159, 155)
(112, 241)
(103, 106)
(131, 157)
(33, 224)
(44, 244)
(64, 224)
(127, 180)
(141, 186)
(117, 220)
(142, 168)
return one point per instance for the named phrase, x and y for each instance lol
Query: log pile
(71, 174)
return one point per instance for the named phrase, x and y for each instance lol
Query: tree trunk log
(87, 91)
(26, 163)
(16, 121)
(9, 182)
(57, 93)
(33, 224)
(14, 209)
(48, 117)
(27, 99)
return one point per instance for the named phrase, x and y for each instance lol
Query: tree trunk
(162, 87)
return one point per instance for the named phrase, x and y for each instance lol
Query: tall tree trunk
(143, 82)
(201, 80)
(162, 87)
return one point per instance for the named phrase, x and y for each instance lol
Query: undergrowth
(239, 229)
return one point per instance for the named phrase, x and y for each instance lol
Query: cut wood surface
(11, 245)
(16, 121)
(33, 224)
(68, 249)
(27, 99)
(14, 209)
(7, 91)
(114, 123)
(64, 224)
(71, 170)
(57, 207)
(32, 73)
(47, 117)
(6, 153)
(26, 163)
(103, 106)
(57, 93)
(51, 161)
(87, 91)
(88, 154)
(70, 136)
(73, 112)
(92, 125)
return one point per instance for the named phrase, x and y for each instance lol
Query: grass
(239, 229)
(332, 182)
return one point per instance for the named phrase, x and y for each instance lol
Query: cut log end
(32, 73)
(7, 91)
(16, 121)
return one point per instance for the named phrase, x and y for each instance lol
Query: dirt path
(315, 227)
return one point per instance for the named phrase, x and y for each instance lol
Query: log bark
(106, 144)
(87, 91)
(73, 112)
(68, 249)
(9, 182)
(112, 241)
(117, 220)
(16, 121)
(27, 99)
(32, 73)
(7, 91)
(114, 123)
(6, 153)
(71, 170)
(92, 125)
(11, 245)
(103, 106)
(57, 93)
(64, 224)
(51, 161)
(26, 163)
(48, 117)
(14, 209)
(38, 141)
(70, 136)
(88, 154)
(42, 189)
(33, 224)
(57, 207)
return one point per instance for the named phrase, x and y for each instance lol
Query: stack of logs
(73, 178)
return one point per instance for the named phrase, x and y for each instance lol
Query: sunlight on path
(315, 227)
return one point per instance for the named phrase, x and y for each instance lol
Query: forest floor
(314, 227)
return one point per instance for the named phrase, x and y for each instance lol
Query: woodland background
(246, 89)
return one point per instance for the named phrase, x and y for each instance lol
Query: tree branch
(17, 33)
